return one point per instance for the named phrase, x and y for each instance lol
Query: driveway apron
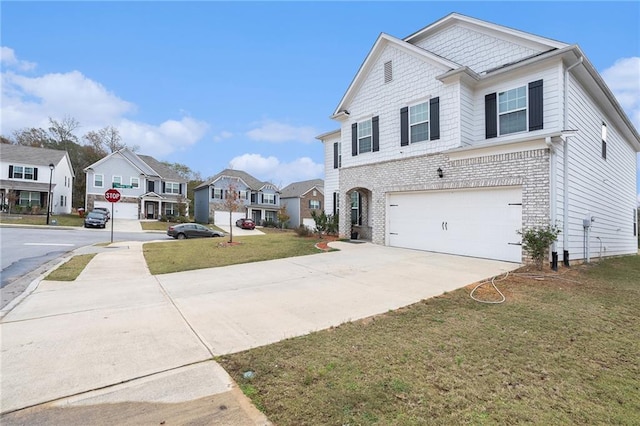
(118, 333)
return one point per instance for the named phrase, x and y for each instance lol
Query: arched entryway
(358, 214)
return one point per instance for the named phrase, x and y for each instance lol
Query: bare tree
(35, 137)
(62, 131)
(107, 139)
(231, 202)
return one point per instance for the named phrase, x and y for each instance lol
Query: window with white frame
(419, 122)
(98, 181)
(116, 181)
(268, 198)
(29, 198)
(356, 218)
(314, 204)
(28, 173)
(135, 182)
(512, 110)
(271, 216)
(172, 188)
(170, 209)
(243, 195)
(339, 154)
(364, 136)
(216, 193)
(604, 140)
(18, 172)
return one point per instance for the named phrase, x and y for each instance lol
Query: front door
(150, 211)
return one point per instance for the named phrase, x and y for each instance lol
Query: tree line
(85, 150)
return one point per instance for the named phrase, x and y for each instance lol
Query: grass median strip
(70, 270)
(559, 351)
(184, 255)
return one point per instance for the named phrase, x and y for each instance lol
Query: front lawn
(26, 219)
(184, 255)
(563, 349)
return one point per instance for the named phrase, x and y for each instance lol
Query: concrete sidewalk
(120, 337)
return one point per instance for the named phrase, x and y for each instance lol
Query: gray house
(258, 200)
(300, 199)
(149, 189)
(457, 136)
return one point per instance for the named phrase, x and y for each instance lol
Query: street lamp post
(51, 167)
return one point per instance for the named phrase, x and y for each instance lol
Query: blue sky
(249, 85)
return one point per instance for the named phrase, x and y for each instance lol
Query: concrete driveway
(118, 333)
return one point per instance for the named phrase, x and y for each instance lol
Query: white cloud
(29, 102)
(623, 78)
(222, 136)
(273, 131)
(272, 170)
(9, 60)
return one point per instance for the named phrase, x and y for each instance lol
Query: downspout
(552, 195)
(565, 168)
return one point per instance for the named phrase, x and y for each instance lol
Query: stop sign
(112, 195)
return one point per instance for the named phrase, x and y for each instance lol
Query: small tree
(283, 217)
(231, 202)
(321, 222)
(536, 241)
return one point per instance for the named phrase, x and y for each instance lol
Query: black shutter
(490, 116)
(335, 197)
(10, 172)
(535, 105)
(335, 155)
(35, 173)
(354, 139)
(164, 187)
(180, 188)
(434, 118)
(376, 133)
(404, 126)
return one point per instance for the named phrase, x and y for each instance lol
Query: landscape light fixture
(440, 174)
(49, 197)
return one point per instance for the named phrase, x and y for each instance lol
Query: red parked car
(245, 224)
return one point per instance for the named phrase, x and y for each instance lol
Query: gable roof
(147, 165)
(33, 156)
(251, 182)
(298, 189)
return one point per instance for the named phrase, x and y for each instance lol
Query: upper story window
(22, 172)
(172, 188)
(243, 195)
(116, 181)
(364, 136)
(419, 122)
(135, 182)
(337, 155)
(98, 181)
(604, 141)
(512, 110)
(268, 198)
(314, 204)
(216, 193)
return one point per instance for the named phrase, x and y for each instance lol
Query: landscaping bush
(536, 241)
(303, 231)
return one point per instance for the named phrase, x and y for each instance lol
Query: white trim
(101, 180)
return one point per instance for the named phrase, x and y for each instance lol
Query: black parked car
(192, 230)
(95, 220)
(104, 211)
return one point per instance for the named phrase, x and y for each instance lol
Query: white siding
(477, 50)
(604, 188)
(414, 80)
(331, 175)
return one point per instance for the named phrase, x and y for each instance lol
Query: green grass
(25, 219)
(70, 270)
(183, 255)
(559, 351)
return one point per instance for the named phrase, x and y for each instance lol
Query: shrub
(303, 231)
(269, 224)
(536, 241)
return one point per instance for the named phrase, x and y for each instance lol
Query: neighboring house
(259, 201)
(149, 189)
(27, 173)
(300, 199)
(459, 135)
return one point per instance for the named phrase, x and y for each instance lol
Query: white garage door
(478, 223)
(120, 210)
(222, 218)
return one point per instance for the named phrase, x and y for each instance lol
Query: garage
(479, 222)
(222, 217)
(120, 210)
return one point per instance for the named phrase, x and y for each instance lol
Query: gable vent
(388, 72)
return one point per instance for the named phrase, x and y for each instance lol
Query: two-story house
(257, 200)
(149, 189)
(460, 135)
(300, 199)
(35, 178)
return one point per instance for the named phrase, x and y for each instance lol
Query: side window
(98, 181)
(604, 140)
(512, 111)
